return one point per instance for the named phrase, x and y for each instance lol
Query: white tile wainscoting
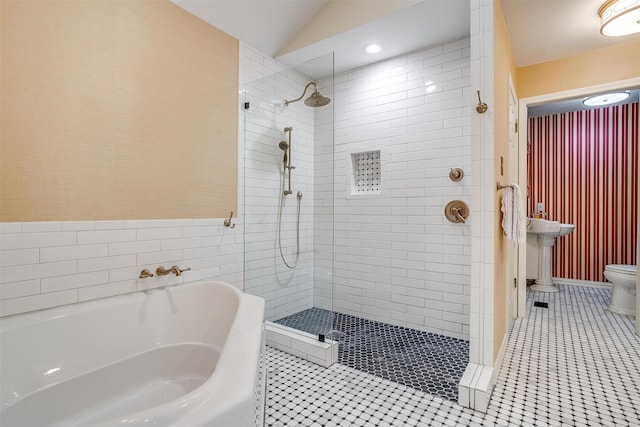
(48, 264)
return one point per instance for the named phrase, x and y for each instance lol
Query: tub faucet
(145, 273)
(161, 271)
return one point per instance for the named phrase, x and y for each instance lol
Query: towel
(513, 219)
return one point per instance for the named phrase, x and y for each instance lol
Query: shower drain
(333, 335)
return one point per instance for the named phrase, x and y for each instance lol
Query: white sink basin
(543, 227)
(546, 228)
(546, 232)
(566, 229)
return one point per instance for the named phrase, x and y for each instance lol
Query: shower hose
(282, 197)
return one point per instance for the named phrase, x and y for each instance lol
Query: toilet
(623, 278)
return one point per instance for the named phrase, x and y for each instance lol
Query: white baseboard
(477, 382)
(301, 344)
(474, 390)
(500, 358)
(576, 282)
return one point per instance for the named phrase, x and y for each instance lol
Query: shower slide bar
(287, 159)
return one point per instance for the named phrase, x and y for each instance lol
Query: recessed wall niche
(365, 173)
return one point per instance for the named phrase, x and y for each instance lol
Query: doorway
(524, 105)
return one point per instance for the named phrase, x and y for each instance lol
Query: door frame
(513, 251)
(523, 133)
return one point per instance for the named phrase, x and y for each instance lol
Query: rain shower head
(315, 100)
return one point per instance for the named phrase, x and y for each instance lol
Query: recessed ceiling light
(373, 48)
(606, 99)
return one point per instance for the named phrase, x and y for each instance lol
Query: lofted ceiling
(297, 31)
(540, 30)
(280, 28)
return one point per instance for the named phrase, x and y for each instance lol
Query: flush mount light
(606, 99)
(374, 47)
(620, 17)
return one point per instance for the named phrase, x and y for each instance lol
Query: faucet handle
(177, 270)
(145, 273)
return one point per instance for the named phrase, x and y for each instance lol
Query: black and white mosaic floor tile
(571, 364)
(300, 393)
(424, 361)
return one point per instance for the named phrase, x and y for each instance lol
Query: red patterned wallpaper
(584, 167)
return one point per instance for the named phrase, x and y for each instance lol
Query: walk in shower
(288, 181)
(345, 232)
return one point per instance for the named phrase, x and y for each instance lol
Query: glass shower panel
(288, 197)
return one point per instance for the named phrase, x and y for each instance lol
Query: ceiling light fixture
(606, 99)
(375, 47)
(620, 17)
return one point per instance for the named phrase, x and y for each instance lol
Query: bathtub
(187, 355)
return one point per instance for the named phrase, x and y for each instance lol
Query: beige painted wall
(600, 66)
(503, 65)
(115, 110)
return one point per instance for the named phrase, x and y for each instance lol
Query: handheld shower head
(283, 145)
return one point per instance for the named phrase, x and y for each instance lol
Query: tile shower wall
(266, 83)
(48, 264)
(397, 259)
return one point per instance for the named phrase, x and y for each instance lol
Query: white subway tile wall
(397, 259)
(266, 83)
(481, 348)
(47, 264)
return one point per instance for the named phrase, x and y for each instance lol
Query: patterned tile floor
(572, 364)
(427, 362)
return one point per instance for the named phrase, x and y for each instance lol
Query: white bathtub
(187, 355)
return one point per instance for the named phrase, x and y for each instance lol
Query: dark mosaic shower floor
(424, 361)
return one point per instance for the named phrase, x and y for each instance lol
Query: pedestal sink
(546, 232)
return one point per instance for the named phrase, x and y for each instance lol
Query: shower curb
(301, 344)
